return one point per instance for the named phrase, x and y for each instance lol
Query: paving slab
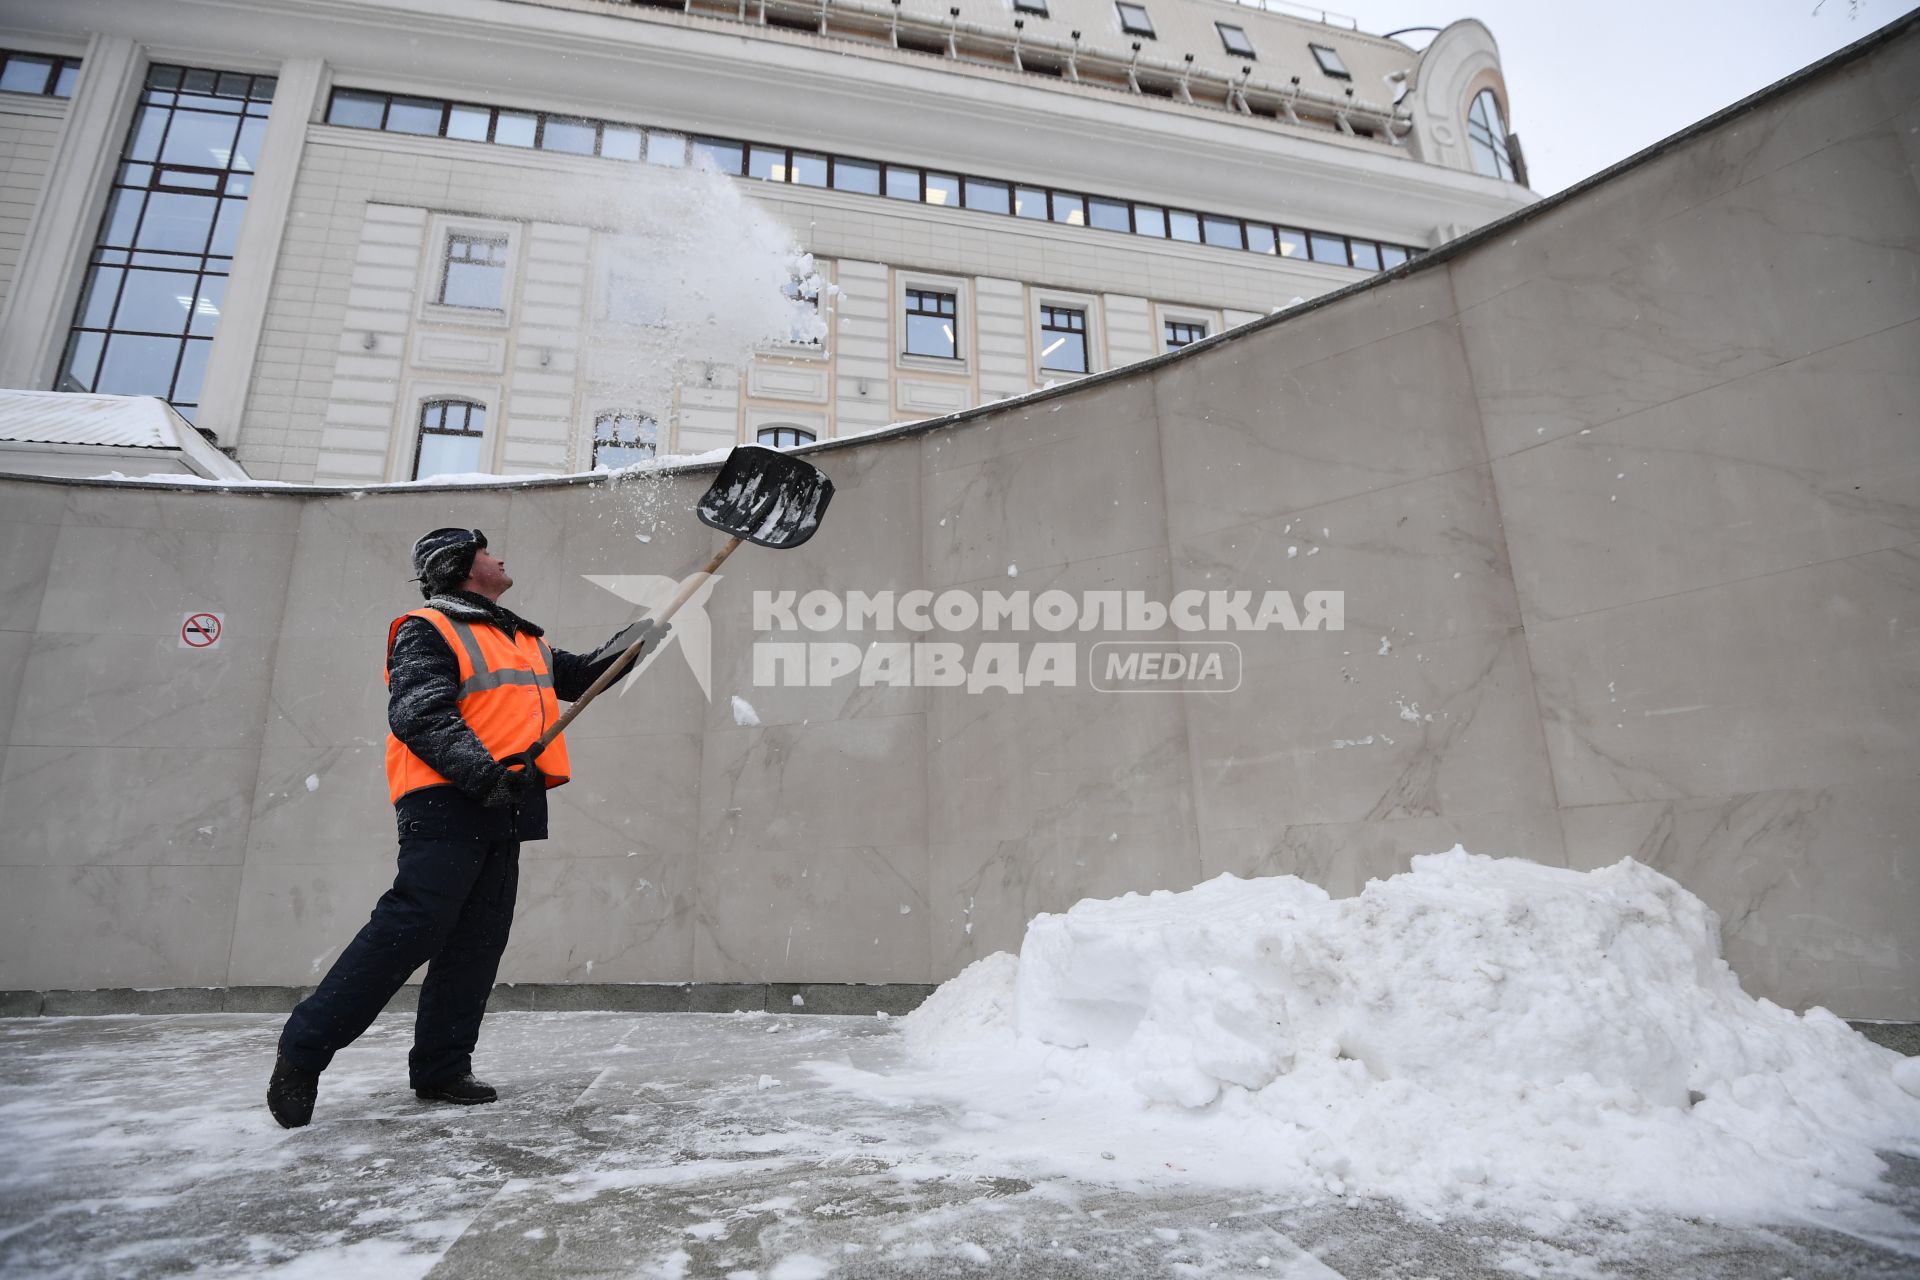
(682, 1145)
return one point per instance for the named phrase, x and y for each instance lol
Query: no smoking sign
(202, 630)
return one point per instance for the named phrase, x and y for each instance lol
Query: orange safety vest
(506, 698)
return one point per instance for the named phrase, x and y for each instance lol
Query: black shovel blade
(766, 497)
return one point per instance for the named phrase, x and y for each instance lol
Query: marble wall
(1624, 497)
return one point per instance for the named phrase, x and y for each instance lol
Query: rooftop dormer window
(1235, 39)
(1487, 137)
(1134, 20)
(1329, 60)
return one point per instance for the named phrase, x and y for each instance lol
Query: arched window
(452, 433)
(622, 438)
(1487, 137)
(783, 437)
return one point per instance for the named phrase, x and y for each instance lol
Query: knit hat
(443, 559)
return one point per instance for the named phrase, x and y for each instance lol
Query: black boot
(462, 1089)
(291, 1092)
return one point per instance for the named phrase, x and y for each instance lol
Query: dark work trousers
(450, 908)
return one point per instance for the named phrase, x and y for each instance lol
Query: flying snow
(697, 278)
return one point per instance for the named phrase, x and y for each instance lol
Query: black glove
(653, 633)
(644, 630)
(510, 784)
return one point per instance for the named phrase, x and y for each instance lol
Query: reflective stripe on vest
(506, 696)
(485, 679)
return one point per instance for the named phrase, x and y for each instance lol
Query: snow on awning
(81, 425)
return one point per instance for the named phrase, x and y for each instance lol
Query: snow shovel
(762, 496)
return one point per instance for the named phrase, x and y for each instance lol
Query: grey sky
(1593, 82)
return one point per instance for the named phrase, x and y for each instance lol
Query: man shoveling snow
(471, 686)
(473, 703)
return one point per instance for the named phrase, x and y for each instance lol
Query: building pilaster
(53, 257)
(243, 311)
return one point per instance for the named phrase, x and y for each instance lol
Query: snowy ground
(695, 1145)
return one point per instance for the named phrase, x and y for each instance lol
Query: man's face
(488, 577)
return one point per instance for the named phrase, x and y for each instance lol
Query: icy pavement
(686, 1145)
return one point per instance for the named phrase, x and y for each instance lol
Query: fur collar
(468, 607)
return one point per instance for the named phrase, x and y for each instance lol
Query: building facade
(370, 240)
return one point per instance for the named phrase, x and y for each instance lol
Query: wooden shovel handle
(625, 660)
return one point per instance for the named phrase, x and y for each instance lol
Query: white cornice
(770, 87)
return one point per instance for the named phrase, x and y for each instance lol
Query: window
(1222, 231)
(1134, 20)
(617, 143)
(1108, 215)
(451, 435)
(1329, 61)
(803, 327)
(42, 74)
(930, 320)
(902, 184)
(994, 197)
(1235, 39)
(767, 163)
(1487, 137)
(727, 157)
(856, 175)
(365, 109)
(1390, 257)
(475, 268)
(515, 128)
(1328, 248)
(416, 115)
(157, 275)
(1063, 339)
(634, 295)
(809, 170)
(1031, 6)
(469, 123)
(622, 438)
(357, 110)
(575, 137)
(669, 149)
(783, 437)
(1181, 333)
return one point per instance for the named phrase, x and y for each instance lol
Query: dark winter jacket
(423, 710)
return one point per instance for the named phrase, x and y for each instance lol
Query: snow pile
(1462, 968)
(978, 1002)
(1474, 1033)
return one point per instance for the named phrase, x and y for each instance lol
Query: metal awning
(119, 432)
